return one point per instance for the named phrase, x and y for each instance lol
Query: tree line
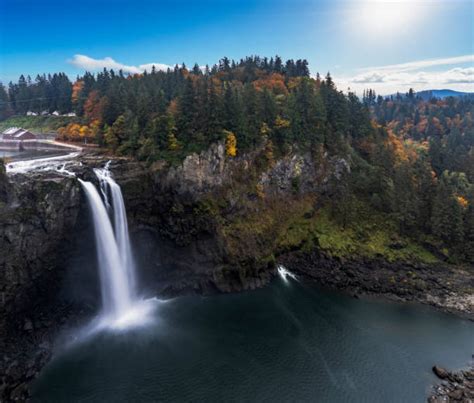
(412, 160)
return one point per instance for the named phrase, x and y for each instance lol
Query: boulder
(440, 372)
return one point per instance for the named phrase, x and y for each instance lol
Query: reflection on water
(286, 342)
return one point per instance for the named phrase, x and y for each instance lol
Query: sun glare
(386, 18)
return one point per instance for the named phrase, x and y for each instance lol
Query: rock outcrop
(36, 223)
(38, 215)
(456, 386)
(445, 287)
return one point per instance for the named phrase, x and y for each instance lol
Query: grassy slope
(38, 124)
(282, 226)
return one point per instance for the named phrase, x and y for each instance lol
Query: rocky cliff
(38, 215)
(209, 224)
(37, 218)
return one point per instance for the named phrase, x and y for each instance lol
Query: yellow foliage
(264, 129)
(84, 131)
(269, 156)
(76, 132)
(281, 123)
(172, 142)
(230, 144)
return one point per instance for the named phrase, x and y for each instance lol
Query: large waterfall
(120, 306)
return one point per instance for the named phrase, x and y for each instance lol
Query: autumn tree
(230, 144)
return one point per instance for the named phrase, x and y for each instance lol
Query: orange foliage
(173, 107)
(398, 149)
(274, 82)
(462, 201)
(76, 90)
(94, 106)
(77, 132)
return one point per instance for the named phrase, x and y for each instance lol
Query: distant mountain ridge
(441, 94)
(426, 95)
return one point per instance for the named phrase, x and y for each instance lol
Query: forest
(411, 160)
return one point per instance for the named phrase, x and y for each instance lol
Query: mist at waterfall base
(288, 341)
(122, 307)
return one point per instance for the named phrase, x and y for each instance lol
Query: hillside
(410, 161)
(37, 124)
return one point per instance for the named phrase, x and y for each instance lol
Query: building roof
(12, 130)
(15, 132)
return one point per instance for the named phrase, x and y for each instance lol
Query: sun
(386, 17)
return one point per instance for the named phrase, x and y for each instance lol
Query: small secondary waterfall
(285, 273)
(120, 306)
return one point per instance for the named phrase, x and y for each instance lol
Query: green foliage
(407, 160)
(367, 235)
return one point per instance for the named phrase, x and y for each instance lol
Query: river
(15, 155)
(289, 341)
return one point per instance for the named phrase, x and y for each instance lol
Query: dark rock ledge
(447, 288)
(454, 387)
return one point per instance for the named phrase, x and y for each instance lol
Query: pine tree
(115, 133)
(447, 216)
(5, 108)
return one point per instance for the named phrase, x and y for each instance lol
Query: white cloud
(371, 77)
(420, 64)
(418, 75)
(459, 75)
(91, 64)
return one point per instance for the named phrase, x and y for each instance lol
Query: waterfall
(120, 221)
(285, 273)
(120, 306)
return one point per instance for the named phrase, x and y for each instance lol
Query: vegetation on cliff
(411, 161)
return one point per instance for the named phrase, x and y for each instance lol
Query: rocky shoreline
(445, 287)
(455, 386)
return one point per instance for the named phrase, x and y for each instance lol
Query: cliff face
(219, 218)
(212, 223)
(37, 218)
(209, 224)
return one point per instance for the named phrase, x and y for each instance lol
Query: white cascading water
(116, 298)
(285, 273)
(120, 222)
(120, 306)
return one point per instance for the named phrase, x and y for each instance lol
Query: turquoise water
(286, 342)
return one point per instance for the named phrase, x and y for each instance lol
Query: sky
(387, 45)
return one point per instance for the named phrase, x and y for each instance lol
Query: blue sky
(384, 44)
